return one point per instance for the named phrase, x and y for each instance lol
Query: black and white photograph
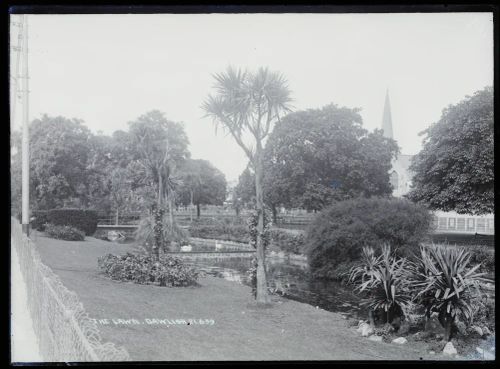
(251, 186)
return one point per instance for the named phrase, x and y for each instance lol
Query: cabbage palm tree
(247, 105)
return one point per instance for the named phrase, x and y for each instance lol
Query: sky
(109, 69)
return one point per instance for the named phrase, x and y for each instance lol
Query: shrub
(143, 269)
(39, 219)
(227, 231)
(339, 232)
(288, 242)
(445, 282)
(67, 233)
(84, 220)
(385, 281)
(483, 255)
(235, 233)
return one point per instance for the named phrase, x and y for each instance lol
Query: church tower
(387, 118)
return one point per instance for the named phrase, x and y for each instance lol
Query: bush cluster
(287, 242)
(281, 240)
(143, 269)
(39, 219)
(339, 232)
(84, 220)
(63, 232)
(235, 233)
(440, 279)
(483, 255)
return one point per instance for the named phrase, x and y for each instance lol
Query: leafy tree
(202, 183)
(245, 189)
(59, 154)
(247, 105)
(318, 156)
(454, 170)
(162, 148)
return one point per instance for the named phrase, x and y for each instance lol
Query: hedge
(84, 220)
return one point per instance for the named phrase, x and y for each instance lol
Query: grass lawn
(288, 331)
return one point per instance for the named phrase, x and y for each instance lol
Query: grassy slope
(287, 331)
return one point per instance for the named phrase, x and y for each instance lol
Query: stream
(291, 280)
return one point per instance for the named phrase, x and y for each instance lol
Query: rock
(486, 331)
(375, 338)
(478, 330)
(115, 236)
(449, 349)
(432, 353)
(365, 329)
(485, 354)
(400, 340)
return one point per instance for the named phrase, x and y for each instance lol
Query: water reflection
(289, 279)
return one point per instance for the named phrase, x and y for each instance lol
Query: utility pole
(25, 139)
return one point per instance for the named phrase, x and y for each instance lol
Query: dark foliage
(39, 219)
(63, 232)
(285, 241)
(235, 233)
(143, 269)
(483, 255)
(454, 170)
(339, 233)
(84, 220)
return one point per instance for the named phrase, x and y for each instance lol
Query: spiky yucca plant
(145, 233)
(385, 279)
(445, 282)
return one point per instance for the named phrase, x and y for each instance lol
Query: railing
(464, 224)
(64, 330)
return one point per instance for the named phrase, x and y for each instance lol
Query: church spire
(387, 118)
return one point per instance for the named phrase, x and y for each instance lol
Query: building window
(394, 178)
(460, 224)
(451, 223)
(491, 225)
(470, 224)
(481, 225)
(434, 222)
(442, 223)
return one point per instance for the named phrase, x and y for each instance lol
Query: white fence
(456, 223)
(64, 330)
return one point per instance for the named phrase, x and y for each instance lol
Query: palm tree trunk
(262, 293)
